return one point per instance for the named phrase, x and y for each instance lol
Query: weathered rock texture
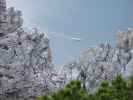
(26, 69)
(102, 62)
(25, 59)
(24, 64)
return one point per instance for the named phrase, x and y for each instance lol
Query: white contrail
(76, 39)
(63, 35)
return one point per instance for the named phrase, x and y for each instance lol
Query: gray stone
(26, 68)
(99, 63)
(25, 60)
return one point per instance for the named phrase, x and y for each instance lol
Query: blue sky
(96, 21)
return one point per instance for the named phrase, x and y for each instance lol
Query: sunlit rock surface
(26, 68)
(25, 59)
(102, 62)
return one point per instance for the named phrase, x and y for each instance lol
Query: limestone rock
(124, 40)
(24, 65)
(11, 20)
(25, 60)
(129, 69)
(26, 68)
(99, 63)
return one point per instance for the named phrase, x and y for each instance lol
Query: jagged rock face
(2, 6)
(95, 64)
(26, 69)
(124, 40)
(24, 65)
(129, 69)
(10, 21)
(25, 59)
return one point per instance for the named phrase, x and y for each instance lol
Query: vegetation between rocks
(118, 89)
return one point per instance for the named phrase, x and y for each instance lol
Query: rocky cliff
(26, 69)
(102, 62)
(25, 60)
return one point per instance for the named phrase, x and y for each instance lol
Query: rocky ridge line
(102, 62)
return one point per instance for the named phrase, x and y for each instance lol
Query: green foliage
(118, 89)
(104, 92)
(130, 88)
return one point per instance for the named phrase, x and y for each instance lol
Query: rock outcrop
(102, 62)
(26, 69)
(24, 64)
(25, 59)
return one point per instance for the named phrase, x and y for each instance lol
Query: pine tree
(104, 92)
(130, 88)
(71, 91)
(119, 87)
